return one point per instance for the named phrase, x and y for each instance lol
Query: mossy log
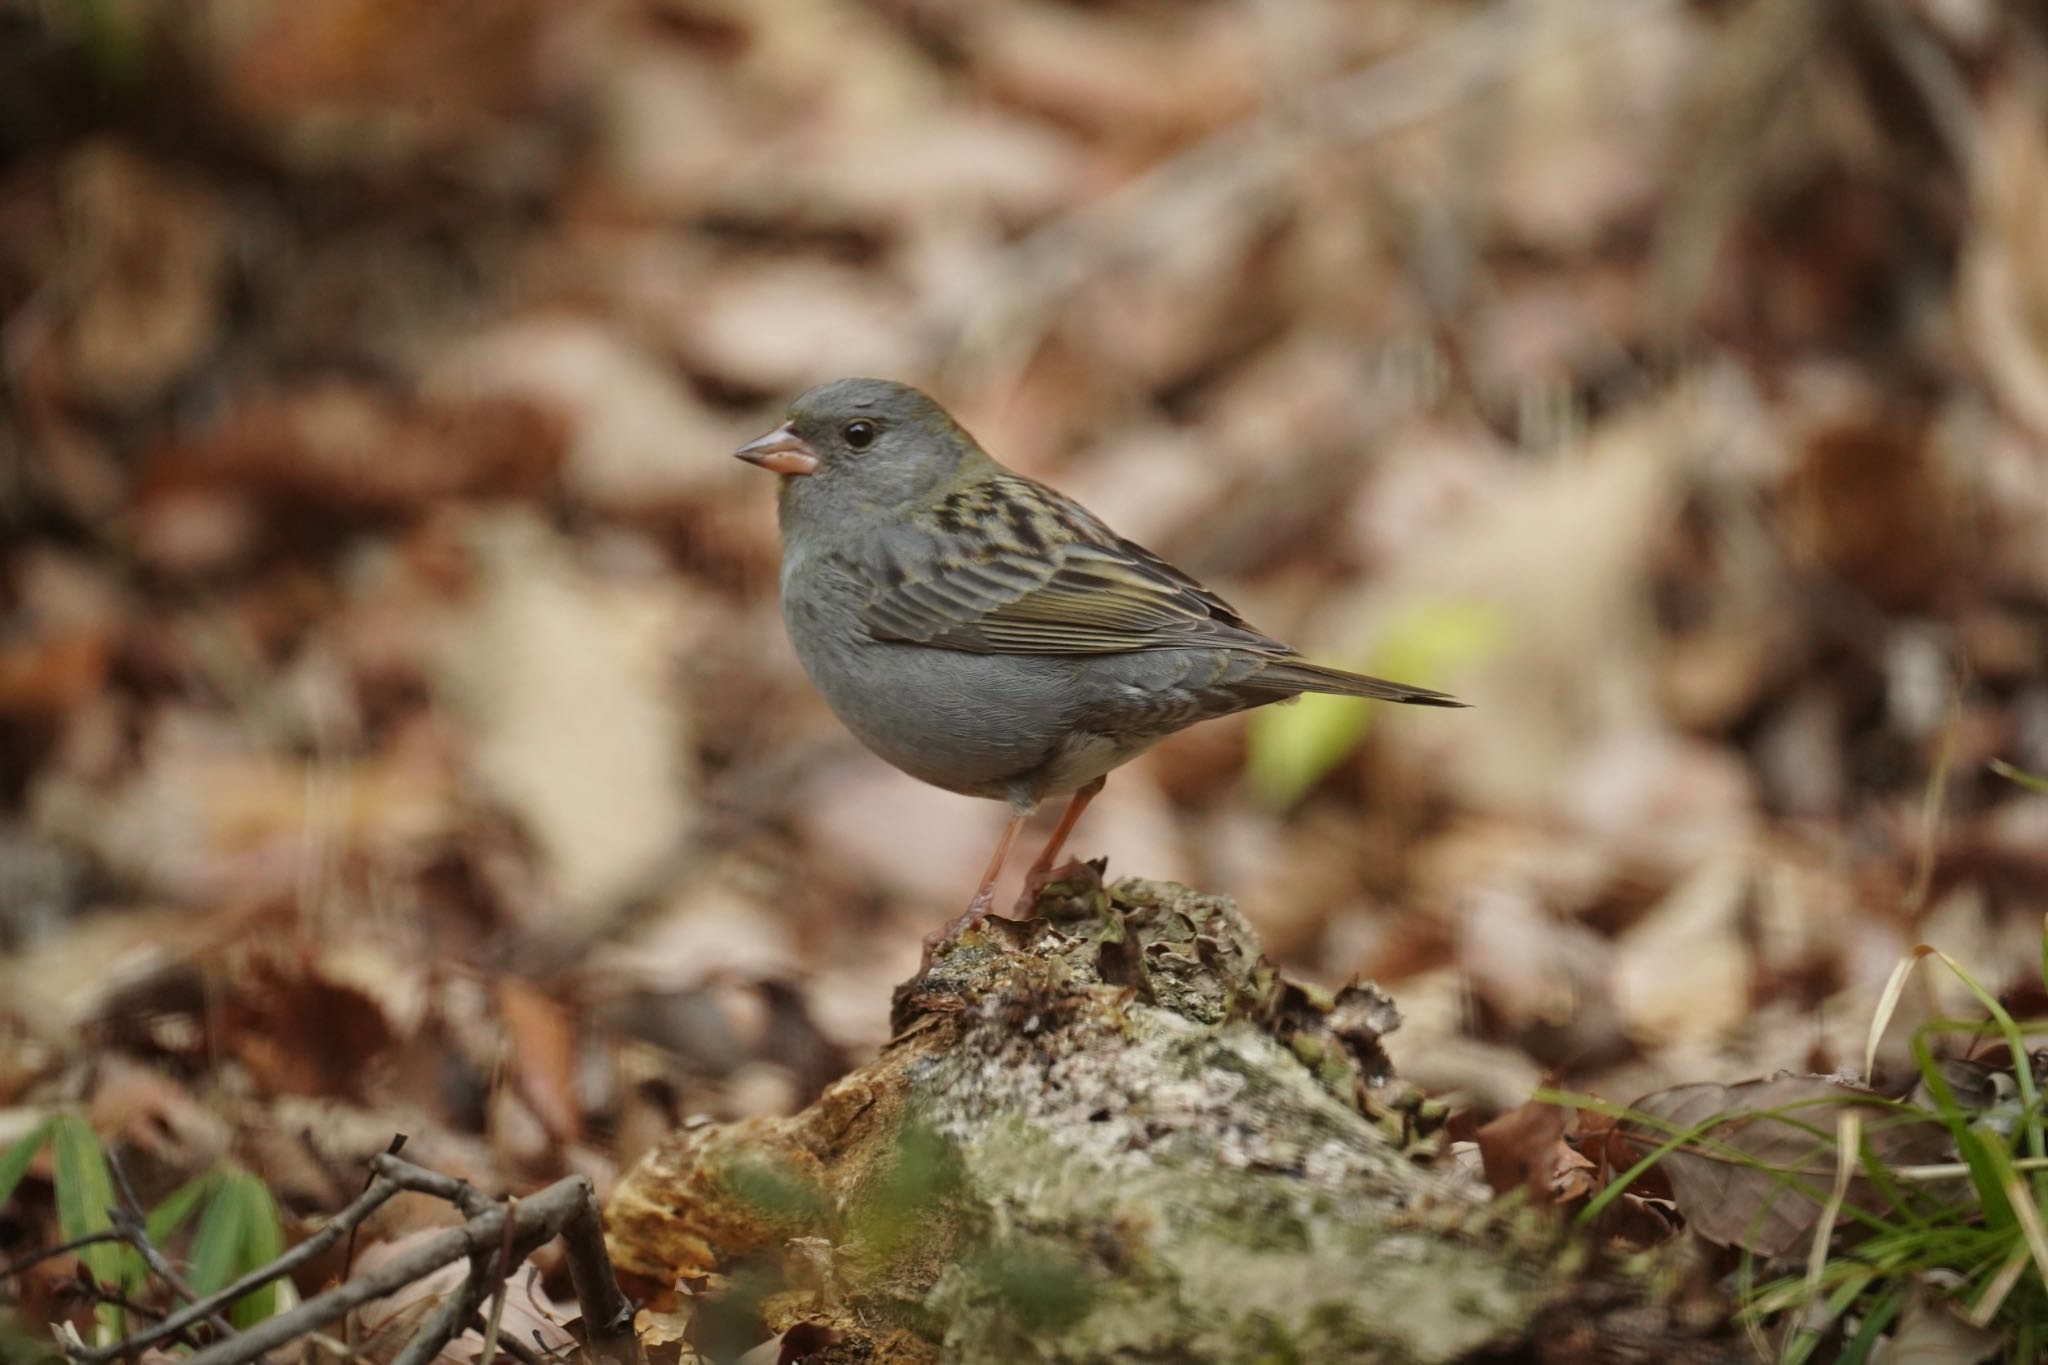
(1110, 1132)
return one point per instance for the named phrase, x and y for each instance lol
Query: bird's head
(858, 445)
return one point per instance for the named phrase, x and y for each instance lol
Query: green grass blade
(238, 1231)
(2033, 782)
(2020, 1199)
(169, 1216)
(1877, 1318)
(15, 1161)
(2017, 1043)
(85, 1198)
(262, 1241)
(216, 1246)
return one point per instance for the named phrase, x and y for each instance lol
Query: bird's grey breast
(972, 723)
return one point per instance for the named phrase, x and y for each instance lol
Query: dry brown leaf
(311, 459)
(1683, 972)
(202, 816)
(636, 435)
(1136, 87)
(1577, 139)
(371, 82)
(529, 1314)
(42, 674)
(2003, 289)
(779, 329)
(145, 1110)
(1553, 554)
(1524, 1149)
(1755, 1178)
(1869, 505)
(141, 283)
(1932, 1330)
(541, 1038)
(562, 677)
(300, 1032)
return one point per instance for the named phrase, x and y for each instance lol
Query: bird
(987, 634)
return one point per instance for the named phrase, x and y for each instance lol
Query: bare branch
(367, 1203)
(420, 1180)
(496, 1237)
(133, 1224)
(537, 1220)
(607, 1312)
(36, 1258)
(509, 1343)
(503, 1274)
(455, 1310)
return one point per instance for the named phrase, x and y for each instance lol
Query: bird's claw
(1077, 876)
(1038, 879)
(977, 910)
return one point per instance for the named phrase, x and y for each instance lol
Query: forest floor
(397, 732)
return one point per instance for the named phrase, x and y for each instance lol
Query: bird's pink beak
(781, 451)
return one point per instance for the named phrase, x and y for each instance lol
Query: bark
(1109, 1132)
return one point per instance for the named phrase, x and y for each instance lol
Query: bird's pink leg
(1041, 867)
(985, 895)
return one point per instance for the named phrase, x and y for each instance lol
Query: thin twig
(509, 1343)
(463, 1195)
(499, 1280)
(452, 1312)
(496, 1237)
(607, 1312)
(133, 1224)
(366, 1204)
(539, 1218)
(96, 1293)
(348, 1254)
(336, 1347)
(1936, 78)
(36, 1258)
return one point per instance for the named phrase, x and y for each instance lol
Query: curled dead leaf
(1760, 1156)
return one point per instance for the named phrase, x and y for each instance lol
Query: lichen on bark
(1110, 1131)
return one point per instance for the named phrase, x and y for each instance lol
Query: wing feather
(1008, 566)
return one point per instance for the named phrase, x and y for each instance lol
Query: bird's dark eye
(859, 435)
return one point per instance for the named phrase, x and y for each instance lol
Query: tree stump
(1111, 1131)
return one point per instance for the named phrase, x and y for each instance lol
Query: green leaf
(262, 1243)
(238, 1232)
(14, 1162)
(217, 1246)
(84, 1188)
(177, 1206)
(1293, 747)
(20, 1346)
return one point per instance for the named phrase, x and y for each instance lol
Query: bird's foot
(1075, 877)
(977, 911)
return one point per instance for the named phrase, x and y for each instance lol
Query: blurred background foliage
(397, 729)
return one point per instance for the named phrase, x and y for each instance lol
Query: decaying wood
(1110, 1131)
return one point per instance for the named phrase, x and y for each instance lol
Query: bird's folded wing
(1011, 567)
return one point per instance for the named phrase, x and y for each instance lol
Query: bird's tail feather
(1299, 675)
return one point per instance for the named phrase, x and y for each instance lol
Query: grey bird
(989, 635)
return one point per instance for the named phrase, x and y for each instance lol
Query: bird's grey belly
(985, 725)
(1017, 727)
